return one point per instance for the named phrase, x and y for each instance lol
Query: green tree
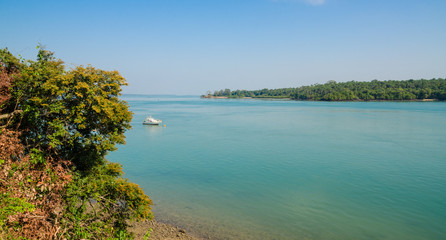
(75, 114)
(353, 91)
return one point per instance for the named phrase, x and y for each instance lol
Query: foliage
(31, 188)
(5, 85)
(9, 62)
(99, 204)
(73, 114)
(56, 127)
(352, 91)
(10, 206)
(147, 235)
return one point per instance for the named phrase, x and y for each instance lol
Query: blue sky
(191, 46)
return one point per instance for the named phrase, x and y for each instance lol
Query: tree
(59, 118)
(353, 91)
(73, 114)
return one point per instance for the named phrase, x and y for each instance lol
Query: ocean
(277, 169)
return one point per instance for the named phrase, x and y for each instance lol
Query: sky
(187, 47)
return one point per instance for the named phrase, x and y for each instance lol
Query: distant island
(391, 90)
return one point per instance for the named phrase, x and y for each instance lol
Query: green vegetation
(434, 89)
(56, 126)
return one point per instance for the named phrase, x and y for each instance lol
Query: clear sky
(191, 46)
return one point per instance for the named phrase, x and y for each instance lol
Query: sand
(160, 231)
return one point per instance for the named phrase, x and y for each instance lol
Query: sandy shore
(261, 98)
(160, 231)
(210, 96)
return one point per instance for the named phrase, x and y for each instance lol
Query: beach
(160, 231)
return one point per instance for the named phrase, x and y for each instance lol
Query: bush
(56, 126)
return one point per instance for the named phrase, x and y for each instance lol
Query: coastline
(224, 97)
(290, 99)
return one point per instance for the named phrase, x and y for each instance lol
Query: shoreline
(160, 231)
(224, 97)
(290, 99)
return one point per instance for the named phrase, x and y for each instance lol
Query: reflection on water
(153, 130)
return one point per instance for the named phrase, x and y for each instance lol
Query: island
(390, 90)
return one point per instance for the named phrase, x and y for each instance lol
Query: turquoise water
(258, 169)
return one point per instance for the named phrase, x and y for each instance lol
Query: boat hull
(150, 123)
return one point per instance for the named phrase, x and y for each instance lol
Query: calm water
(256, 169)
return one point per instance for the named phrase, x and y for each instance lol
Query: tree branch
(8, 115)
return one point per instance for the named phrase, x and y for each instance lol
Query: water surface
(257, 169)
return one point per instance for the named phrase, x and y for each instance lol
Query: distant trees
(352, 91)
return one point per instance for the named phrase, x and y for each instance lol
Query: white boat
(151, 121)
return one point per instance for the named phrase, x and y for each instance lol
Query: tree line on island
(56, 127)
(391, 90)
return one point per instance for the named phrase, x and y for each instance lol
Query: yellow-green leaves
(73, 115)
(76, 112)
